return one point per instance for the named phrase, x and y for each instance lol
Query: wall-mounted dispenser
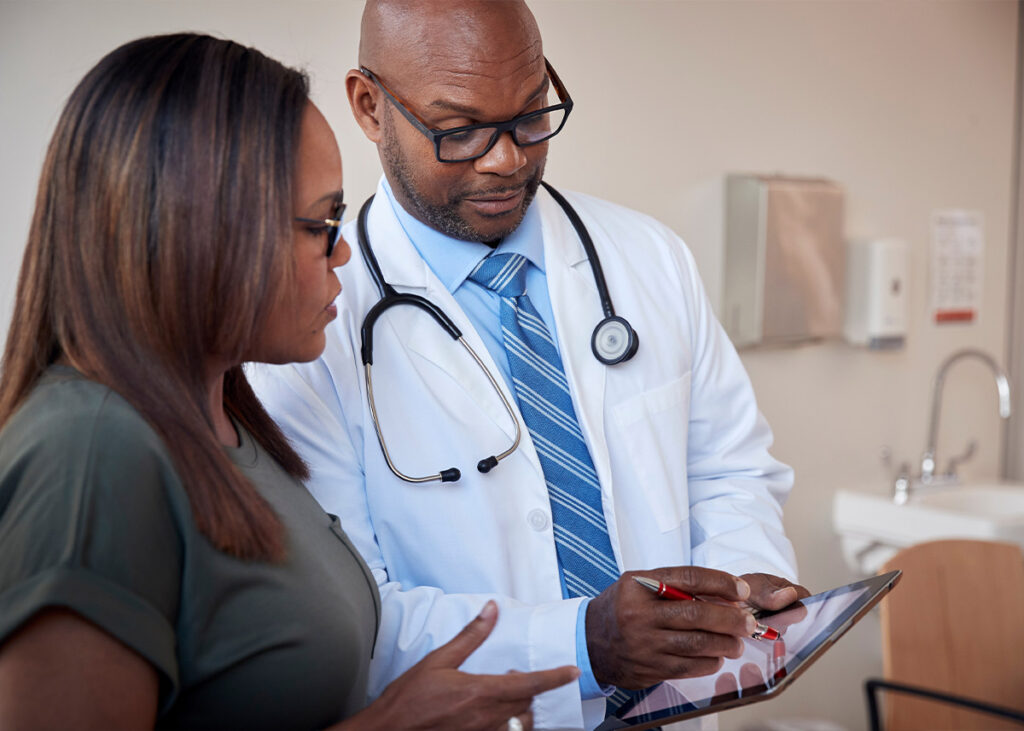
(783, 259)
(876, 292)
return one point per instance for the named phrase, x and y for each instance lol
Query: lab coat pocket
(653, 427)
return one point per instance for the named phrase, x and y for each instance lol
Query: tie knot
(504, 274)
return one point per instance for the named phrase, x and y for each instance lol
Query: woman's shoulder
(66, 409)
(92, 516)
(77, 434)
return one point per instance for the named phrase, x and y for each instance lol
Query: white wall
(908, 105)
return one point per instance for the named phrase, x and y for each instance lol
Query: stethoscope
(614, 340)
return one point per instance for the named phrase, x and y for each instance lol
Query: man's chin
(493, 226)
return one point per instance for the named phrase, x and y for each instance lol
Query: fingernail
(742, 589)
(751, 624)
(490, 609)
(783, 590)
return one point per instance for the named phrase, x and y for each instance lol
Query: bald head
(462, 36)
(439, 65)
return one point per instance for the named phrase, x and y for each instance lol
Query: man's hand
(636, 639)
(772, 592)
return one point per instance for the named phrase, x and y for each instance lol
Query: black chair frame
(873, 685)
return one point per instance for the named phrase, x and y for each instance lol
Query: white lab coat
(675, 436)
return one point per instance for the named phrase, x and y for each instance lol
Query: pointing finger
(527, 685)
(455, 652)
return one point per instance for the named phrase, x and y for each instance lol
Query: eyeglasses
(331, 226)
(462, 144)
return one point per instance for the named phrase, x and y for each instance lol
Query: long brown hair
(161, 237)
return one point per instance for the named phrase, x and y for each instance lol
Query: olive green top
(94, 518)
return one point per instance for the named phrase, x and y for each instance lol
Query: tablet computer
(766, 668)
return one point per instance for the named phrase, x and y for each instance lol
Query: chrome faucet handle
(901, 485)
(955, 462)
(927, 466)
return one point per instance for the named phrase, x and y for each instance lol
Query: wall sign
(958, 248)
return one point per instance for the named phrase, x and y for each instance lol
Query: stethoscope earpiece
(614, 340)
(487, 464)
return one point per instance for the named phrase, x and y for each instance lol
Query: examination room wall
(909, 106)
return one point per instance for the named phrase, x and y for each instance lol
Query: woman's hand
(435, 694)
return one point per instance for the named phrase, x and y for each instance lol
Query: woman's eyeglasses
(332, 226)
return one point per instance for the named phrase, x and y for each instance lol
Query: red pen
(763, 631)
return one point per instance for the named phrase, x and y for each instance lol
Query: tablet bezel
(876, 586)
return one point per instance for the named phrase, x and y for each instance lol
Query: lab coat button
(537, 519)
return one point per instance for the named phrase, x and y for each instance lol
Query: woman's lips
(332, 309)
(495, 205)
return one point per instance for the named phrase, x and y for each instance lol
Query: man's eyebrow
(447, 106)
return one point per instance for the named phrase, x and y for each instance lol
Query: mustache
(530, 181)
(491, 192)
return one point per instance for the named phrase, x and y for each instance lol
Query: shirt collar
(453, 259)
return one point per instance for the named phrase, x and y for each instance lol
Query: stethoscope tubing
(607, 351)
(452, 474)
(390, 297)
(588, 246)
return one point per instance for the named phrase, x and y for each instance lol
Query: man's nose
(341, 254)
(505, 158)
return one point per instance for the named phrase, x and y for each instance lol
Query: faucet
(928, 461)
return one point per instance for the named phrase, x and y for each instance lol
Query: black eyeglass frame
(333, 226)
(500, 128)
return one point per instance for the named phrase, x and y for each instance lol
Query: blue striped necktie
(582, 545)
(584, 551)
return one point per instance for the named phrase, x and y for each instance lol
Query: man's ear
(363, 98)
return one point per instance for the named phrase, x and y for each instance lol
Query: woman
(160, 562)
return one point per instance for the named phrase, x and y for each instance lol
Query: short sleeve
(91, 514)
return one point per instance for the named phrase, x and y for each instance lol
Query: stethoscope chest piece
(614, 340)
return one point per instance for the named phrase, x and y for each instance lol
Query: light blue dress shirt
(452, 260)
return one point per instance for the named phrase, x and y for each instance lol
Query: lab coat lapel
(577, 309)
(408, 272)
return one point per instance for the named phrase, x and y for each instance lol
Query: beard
(445, 216)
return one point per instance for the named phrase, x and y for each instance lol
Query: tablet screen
(807, 628)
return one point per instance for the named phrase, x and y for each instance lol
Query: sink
(872, 528)
(1005, 504)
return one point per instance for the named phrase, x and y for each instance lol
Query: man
(657, 461)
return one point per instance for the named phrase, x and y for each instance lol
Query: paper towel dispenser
(784, 260)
